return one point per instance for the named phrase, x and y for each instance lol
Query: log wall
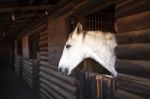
(28, 71)
(53, 84)
(133, 50)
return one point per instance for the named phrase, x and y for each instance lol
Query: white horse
(82, 44)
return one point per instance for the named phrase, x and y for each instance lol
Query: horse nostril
(66, 71)
(59, 69)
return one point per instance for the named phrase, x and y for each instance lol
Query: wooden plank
(43, 91)
(122, 2)
(133, 84)
(82, 8)
(121, 94)
(43, 96)
(132, 7)
(58, 89)
(43, 48)
(28, 62)
(57, 81)
(28, 74)
(43, 43)
(47, 64)
(43, 33)
(43, 58)
(44, 53)
(25, 8)
(64, 78)
(40, 29)
(98, 5)
(133, 51)
(27, 70)
(135, 67)
(141, 36)
(134, 22)
(51, 93)
(44, 37)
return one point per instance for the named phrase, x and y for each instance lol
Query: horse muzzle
(64, 71)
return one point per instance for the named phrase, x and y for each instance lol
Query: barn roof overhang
(18, 16)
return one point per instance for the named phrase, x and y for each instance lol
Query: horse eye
(68, 46)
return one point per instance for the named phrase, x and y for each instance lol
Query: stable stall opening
(102, 20)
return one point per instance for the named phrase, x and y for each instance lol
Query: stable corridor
(13, 87)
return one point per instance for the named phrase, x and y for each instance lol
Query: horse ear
(78, 28)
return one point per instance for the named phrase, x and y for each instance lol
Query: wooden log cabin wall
(38, 61)
(53, 84)
(133, 50)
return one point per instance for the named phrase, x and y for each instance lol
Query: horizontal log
(30, 85)
(51, 93)
(135, 67)
(81, 9)
(58, 82)
(46, 94)
(43, 58)
(44, 37)
(132, 7)
(27, 8)
(47, 64)
(134, 22)
(28, 71)
(28, 67)
(121, 94)
(43, 33)
(121, 2)
(28, 79)
(133, 51)
(141, 36)
(43, 96)
(39, 29)
(64, 78)
(58, 89)
(133, 84)
(43, 43)
(43, 63)
(27, 74)
(44, 53)
(27, 62)
(44, 49)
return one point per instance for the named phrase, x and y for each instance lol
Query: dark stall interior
(16, 16)
(5, 56)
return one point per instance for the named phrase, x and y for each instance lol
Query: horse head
(88, 44)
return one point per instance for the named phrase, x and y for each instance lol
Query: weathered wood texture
(28, 71)
(18, 65)
(133, 22)
(140, 36)
(135, 86)
(133, 50)
(42, 57)
(134, 67)
(25, 47)
(94, 86)
(53, 84)
(130, 7)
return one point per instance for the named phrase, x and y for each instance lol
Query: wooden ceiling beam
(17, 22)
(23, 16)
(26, 8)
(31, 2)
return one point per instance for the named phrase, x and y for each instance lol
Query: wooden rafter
(27, 8)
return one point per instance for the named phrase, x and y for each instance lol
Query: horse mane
(83, 32)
